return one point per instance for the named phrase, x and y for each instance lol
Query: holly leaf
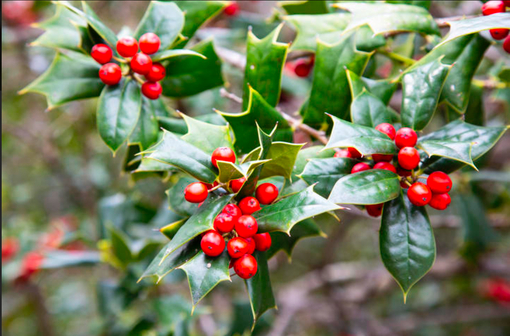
(421, 89)
(305, 155)
(284, 214)
(229, 171)
(176, 199)
(171, 229)
(382, 89)
(366, 140)
(70, 77)
(406, 240)
(455, 150)
(164, 19)
(330, 80)
(168, 54)
(189, 75)
(258, 114)
(385, 18)
(146, 130)
(205, 136)
(325, 172)
(368, 110)
(282, 156)
(305, 7)
(367, 187)
(120, 245)
(259, 288)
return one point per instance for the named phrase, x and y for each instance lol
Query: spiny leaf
(259, 288)
(455, 150)
(382, 89)
(368, 110)
(205, 136)
(326, 172)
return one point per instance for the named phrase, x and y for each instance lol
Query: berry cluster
(139, 62)
(493, 7)
(234, 228)
(439, 184)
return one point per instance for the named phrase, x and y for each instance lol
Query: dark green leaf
(406, 240)
(325, 172)
(120, 245)
(368, 110)
(382, 89)
(454, 150)
(146, 131)
(259, 288)
(305, 7)
(205, 136)
(283, 157)
(176, 197)
(313, 152)
(170, 230)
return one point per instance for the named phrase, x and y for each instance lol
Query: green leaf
(325, 172)
(70, 77)
(176, 199)
(367, 187)
(382, 89)
(330, 80)
(455, 150)
(120, 245)
(57, 259)
(174, 151)
(189, 75)
(260, 113)
(368, 110)
(313, 152)
(205, 136)
(406, 240)
(164, 19)
(421, 89)
(259, 288)
(149, 165)
(264, 66)
(171, 229)
(201, 221)
(384, 18)
(146, 131)
(474, 25)
(305, 7)
(229, 171)
(204, 273)
(366, 140)
(168, 54)
(118, 112)
(283, 157)
(284, 214)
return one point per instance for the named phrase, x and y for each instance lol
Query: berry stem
(137, 78)
(120, 60)
(407, 182)
(396, 57)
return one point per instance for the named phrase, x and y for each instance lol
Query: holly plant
(240, 185)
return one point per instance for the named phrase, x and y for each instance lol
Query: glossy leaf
(176, 199)
(368, 110)
(169, 54)
(164, 19)
(205, 136)
(118, 112)
(306, 154)
(305, 7)
(149, 165)
(325, 172)
(171, 229)
(284, 214)
(70, 77)
(259, 288)
(228, 171)
(146, 131)
(282, 155)
(406, 240)
(366, 187)
(382, 89)
(455, 150)
(421, 89)
(120, 245)
(366, 140)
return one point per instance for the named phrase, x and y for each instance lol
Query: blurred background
(60, 184)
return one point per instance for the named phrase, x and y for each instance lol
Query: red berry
(266, 193)
(246, 226)
(507, 3)
(232, 9)
(403, 172)
(506, 44)
(223, 154)
(354, 153)
(212, 244)
(385, 166)
(359, 167)
(440, 201)
(302, 68)
(408, 158)
(249, 205)
(262, 241)
(236, 185)
(382, 157)
(101, 53)
(237, 247)
(232, 210)
(499, 34)
(387, 129)
(374, 210)
(152, 90)
(10, 247)
(439, 182)
(343, 153)
(246, 266)
(419, 194)
(493, 7)
(141, 64)
(31, 264)
(406, 137)
(224, 223)
(149, 43)
(404, 185)
(195, 192)
(110, 74)
(127, 46)
(251, 245)
(157, 73)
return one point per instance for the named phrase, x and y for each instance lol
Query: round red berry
(499, 34)
(223, 154)
(404, 185)
(31, 264)
(101, 53)
(419, 194)
(212, 244)
(157, 73)
(251, 245)
(10, 247)
(152, 90)
(385, 166)
(246, 226)
(127, 46)
(354, 153)
(195, 192)
(110, 74)
(408, 158)
(382, 157)
(387, 129)
(246, 266)
(141, 64)
(262, 241)
(506, 44)
(439, 182)
(249, 205)
(149, 43)
(237, 184)
(359, 167)
(232, 9)
(374, 210)
(224, 223)
(440, 201)
(266, 193)
(405, 137)
(302, 68)
(232, 210)
(404, 172)
(493, 7)
(237, 247)
(343, 153)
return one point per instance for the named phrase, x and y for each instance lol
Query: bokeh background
(60, 183)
